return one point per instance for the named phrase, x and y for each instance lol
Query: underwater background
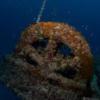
(16, 15)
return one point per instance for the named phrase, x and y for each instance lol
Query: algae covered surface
(39, 69)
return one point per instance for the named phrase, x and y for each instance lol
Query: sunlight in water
(41, 11)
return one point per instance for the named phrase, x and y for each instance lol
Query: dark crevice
(53, 82)
(63, 49)
(40, 43)
(31, 61)
(67, 72)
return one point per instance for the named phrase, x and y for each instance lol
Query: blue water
(16, 15)
(6, 94)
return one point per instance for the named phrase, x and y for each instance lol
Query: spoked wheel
(58, 50)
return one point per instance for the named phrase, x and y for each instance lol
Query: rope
(41, 11)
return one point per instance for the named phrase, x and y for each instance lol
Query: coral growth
(50, 58)
(57, 33)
